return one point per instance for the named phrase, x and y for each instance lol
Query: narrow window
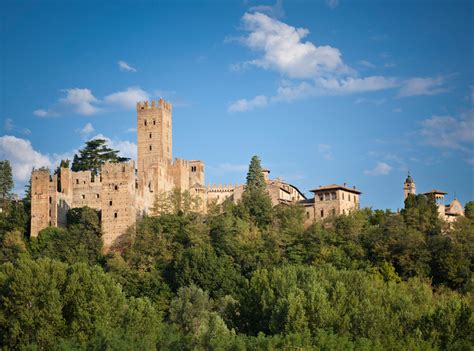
(327, 196)
(322, 213)
(123, 169)
(50, 200)
(83, 196)
(355, 199)
(333, 196)
(154, 122)
(110, 203)
(77, 181)
(145, 122)
(150, 147)
(115, 215)
(321, 197)
(343, 196)
(97, 195)
(116, 187)
(150, 135)
(349, 197)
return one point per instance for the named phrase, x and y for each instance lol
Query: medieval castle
(125, 191)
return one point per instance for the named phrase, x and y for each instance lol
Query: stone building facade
(124, 192)
(331, 200)
(448, 213)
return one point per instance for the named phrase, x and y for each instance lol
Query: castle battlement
(221, 188)
(153, 105)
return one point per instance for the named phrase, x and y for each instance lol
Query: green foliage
(94, 155)
(371, 280)
(469, 210)
(421, 213)
(80, 242)
(6, 181)
(175, 202)
(255, 198)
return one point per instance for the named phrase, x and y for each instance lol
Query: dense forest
(244, 276)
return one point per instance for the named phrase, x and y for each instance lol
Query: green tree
(94, 155)
(6, 181)
(421, 213)
(255, 197)
(469, 210)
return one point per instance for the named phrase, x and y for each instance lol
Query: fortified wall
(124, 192)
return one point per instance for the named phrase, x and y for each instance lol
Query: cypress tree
(255, 197)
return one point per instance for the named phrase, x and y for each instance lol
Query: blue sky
(323, 91)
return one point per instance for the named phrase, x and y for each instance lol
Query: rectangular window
(144, 122)
(110, 203)
(150, 135)
(83, 196)
(343, 196)
(77, 181)
(349, 197)
(115, 215)
(151, 147)
(327, 196)
(321, 197)
(333, 196)
(322, 213)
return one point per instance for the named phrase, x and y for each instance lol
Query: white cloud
(332, 4)
(284, 51)
(127, 98)
(447, 132)
(125, 67)
(381, 168)
(22, 157)
(423, 86)
(326, 151)
(44, 113)
(126, 148)
(86, 130)
(275, 11)
(82, 101)
(366, 64)
(9, 126)
(246, 105)
(131, 130)
(357, 85)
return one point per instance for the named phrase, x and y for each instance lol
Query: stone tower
(409, 186)
(154, 135)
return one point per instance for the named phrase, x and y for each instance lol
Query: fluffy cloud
(86, 130)
(423, 86)
(312, 70)
(9, 126)
(125, 67)
(22, 157)
(245, 105)
(284, 51)
(381, 168)
(447, 132)
(127, 98)
(126, 148)
(81, 100)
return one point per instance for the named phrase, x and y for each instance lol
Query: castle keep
(125, 191)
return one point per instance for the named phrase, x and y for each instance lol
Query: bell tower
(409, 187)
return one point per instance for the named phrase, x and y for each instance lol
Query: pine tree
(255, 197)
(6, 181)
(94, 155)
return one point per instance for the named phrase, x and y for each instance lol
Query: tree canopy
(94, 155)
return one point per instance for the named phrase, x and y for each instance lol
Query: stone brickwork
(123, 192)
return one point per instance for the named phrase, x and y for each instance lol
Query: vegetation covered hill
(243, 277)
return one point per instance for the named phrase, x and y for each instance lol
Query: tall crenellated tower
(409, 186)
(154, 134)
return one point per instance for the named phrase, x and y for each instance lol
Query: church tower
(154, 135)
(409, 186)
